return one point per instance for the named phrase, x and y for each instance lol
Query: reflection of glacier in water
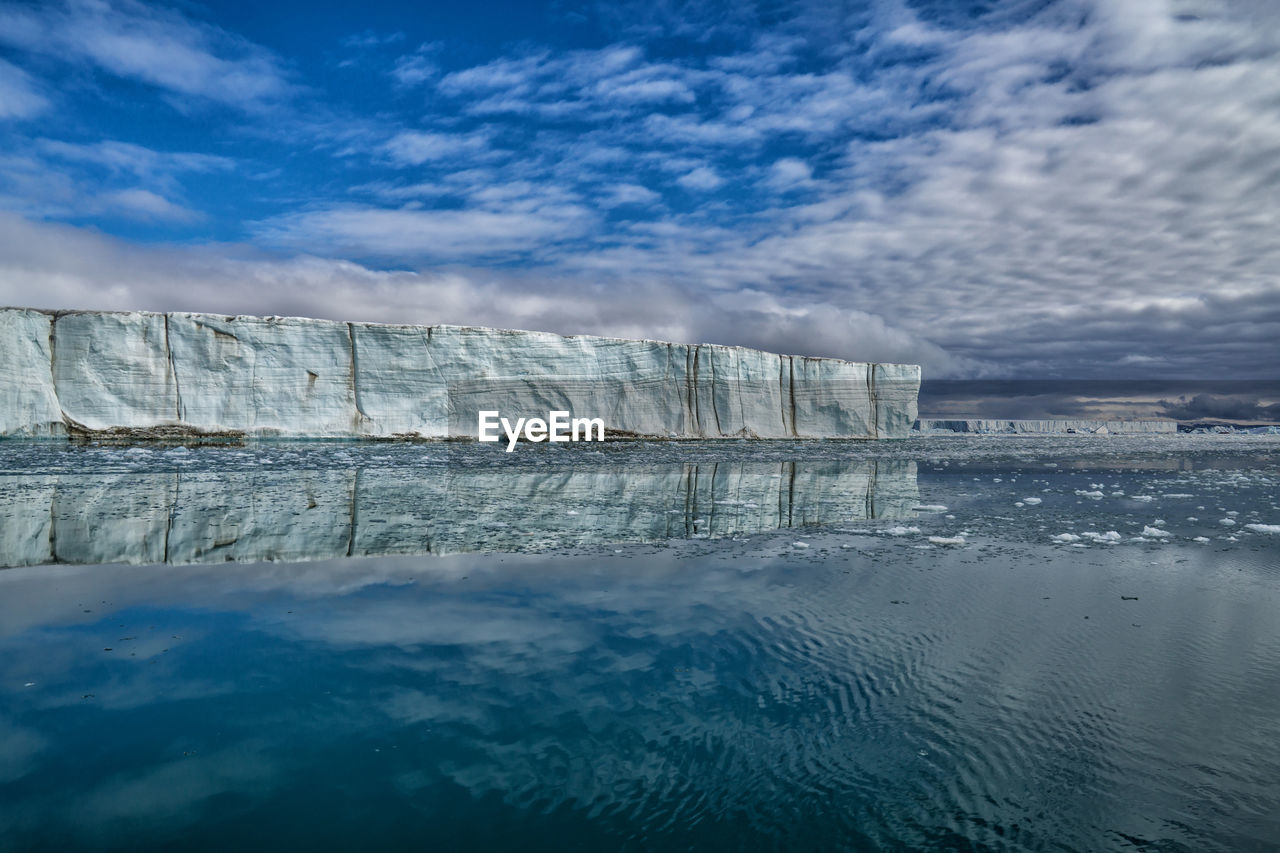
(202, 517)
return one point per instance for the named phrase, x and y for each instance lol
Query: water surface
(970, 643)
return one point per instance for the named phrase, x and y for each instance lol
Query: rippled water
(1005, 644)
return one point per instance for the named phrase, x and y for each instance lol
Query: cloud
(153, 45)
(789, 173)
(414, 70)
(413, 147)
(20, 95)
(103, 179)
(57, 266)
(145, 204)
(124, 157)
(703, 178)
(438, 234)
(1066, 188)
(371, 39)
(620, 194)
(1230, 407)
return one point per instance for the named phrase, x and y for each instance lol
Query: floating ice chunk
(1109, 536)
(930, 508)
(1227, 521)
(902, 531)
(1065, 537)
(799, 544)
(1143, 497)
(1263, 528)
(1088, 494)
(1117, 494)
(947, 540)
(1177, 495)
(1201, 539)
(1155, 531)
(1032, 501)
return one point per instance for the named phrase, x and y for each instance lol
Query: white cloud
(442, 235)
(789, 173)
(137, 203)
(702, 178)
(124, 157)
(57, 266)
(413, 147)
(154, 45)
(20, 95)
(620, 194)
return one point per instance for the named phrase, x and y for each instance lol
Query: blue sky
(1084, 188)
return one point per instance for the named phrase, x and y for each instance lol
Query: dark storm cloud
(1180, 399)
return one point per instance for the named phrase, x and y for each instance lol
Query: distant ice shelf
(141, 375)
(997, 426)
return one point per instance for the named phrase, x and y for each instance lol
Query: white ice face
(291, 377)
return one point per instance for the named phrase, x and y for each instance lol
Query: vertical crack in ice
(742, 410)
(173, 371)
(695, 391)
(715, 409)
(791, 388)
(355, 375)
(873, 402)
(53, 366)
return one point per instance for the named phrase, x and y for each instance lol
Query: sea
(1002, 643)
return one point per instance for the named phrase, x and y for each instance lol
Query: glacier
(1001, 426)
(141, 375)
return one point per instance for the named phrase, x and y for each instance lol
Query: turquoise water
(720, 647)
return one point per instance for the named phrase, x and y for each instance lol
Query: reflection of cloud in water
(695, 687)
(206, 517)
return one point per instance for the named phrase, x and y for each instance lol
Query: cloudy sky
(1083, 188)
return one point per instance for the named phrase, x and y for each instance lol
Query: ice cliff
(142, 375)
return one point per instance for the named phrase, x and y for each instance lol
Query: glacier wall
(211, 517)
(999, 426)
(144, 375)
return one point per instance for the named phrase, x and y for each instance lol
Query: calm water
(970, 643)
